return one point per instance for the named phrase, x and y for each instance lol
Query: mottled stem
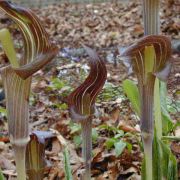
(87, 147)
(17, 105)
(151, 17)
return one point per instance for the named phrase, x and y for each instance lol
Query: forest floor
(106, 30)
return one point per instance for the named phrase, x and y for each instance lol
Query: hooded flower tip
(82, 99)
(38, 49)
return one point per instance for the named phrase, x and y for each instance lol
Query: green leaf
(67, 167)
(120, 134)
(157, 158)
(119, 147)
(176, 125)
(75, 128)
(129, 146)
(132, 92)
(1, 176)
(167, 124)
(166, 120)
(109, 128)
(110, 92)
(173, 106)
(94, 135)
(172, 167)
(62, 106)
(110, 143)
(77, 140)
(169, 163)
(3, 111)
(57, 84)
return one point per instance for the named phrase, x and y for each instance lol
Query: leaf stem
(87, 147)
(20, 153)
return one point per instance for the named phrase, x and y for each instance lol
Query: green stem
(157, 109)
(20, 153)
(8, 47)
(87, 147)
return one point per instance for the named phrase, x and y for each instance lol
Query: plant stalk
(147, 124)
(151, 27)
(17, 104)
(87, 147)
(148, 144)
(20, 154)
(157, 110)
(151, 17)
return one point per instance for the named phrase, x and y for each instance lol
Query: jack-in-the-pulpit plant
(150, 59)
(82, 104)
(38, 51)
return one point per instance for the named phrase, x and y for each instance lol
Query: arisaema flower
(38, 51)
(150, 59)
(82, 104)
